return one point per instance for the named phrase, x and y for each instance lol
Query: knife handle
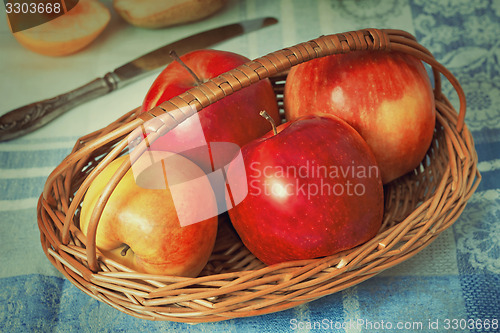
(27, 118)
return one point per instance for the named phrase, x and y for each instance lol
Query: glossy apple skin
(146, 220)
(386, 96)
(277, 221)
(234, 119)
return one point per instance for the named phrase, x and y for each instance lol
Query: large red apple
(313, 190)
(386, 96)
(233, 119)
(140, 226)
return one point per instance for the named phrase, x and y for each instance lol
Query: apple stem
(124, 251)
(174, 55)
(269, 119)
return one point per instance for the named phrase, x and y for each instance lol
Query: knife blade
(28, 118)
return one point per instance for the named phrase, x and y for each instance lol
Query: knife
(28, 118)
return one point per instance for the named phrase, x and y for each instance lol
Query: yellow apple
(68, 33)
(140, 226)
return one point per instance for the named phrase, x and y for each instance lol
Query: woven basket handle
(169, 114)
(197, 98)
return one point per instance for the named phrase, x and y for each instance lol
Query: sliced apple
(68, 33)
(162, 13)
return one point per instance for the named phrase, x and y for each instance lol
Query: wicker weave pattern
(234, 283)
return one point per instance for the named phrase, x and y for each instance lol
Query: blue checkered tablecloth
(452, 285)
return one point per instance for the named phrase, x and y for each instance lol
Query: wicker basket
(419, 206)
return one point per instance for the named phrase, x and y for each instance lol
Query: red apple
(386, 96)
(314, 189)
(233, 119)
(141, 225)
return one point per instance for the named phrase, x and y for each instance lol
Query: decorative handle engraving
(30, 117)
